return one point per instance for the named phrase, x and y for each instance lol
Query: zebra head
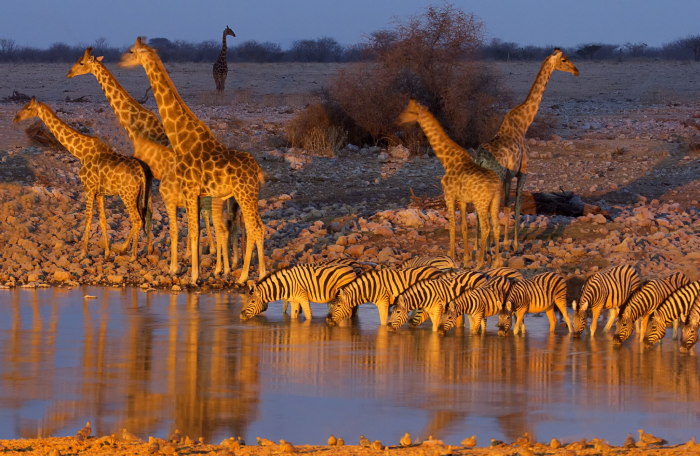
(656, 330)
(580, 317)
(254, 306)
(340, 310)
(399, 316)
(689, 331)
(624, 326)
(505, 318)
(449, 319)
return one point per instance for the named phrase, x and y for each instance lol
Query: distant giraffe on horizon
(506, 154)
(221, 66)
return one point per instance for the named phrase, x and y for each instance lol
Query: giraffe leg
(103, 223)
(254, 234)
(149, 224)
(193, 210)
(232, 225)
(450, 203)
(482, 210)
(518, 204)
(496, 227)
(89, 202)
(171, 208)
(463, 213)
(205, 215)
(135, 218)
(221, 236)
(506, 209)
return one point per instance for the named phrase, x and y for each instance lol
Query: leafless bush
(430, 57)
(543, 126)
(313, 131)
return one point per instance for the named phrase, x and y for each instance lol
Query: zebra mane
(275, 272)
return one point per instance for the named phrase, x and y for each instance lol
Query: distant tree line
(327, 49)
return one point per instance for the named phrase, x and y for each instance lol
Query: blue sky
(540, 22)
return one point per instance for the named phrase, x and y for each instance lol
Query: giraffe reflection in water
(150, 362)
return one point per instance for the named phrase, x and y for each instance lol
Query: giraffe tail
(261, 175)
(145, 193)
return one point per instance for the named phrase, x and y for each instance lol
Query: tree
(100, 46)
(692, 42)
(588, 51)
(636, 49)
(8, 47)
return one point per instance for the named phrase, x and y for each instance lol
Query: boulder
(61, 275)
(355, 250)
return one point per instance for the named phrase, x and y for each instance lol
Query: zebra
(643, 303)
(442, 262)
(689, 328)
(541, 293)
(509, 273)
(379, 287)
(609, 289)
(356, 266)
(677, 304)
(432, 295)
(299, 285)
(478, 303)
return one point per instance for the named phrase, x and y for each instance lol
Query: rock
(355, 250)
(61, 275)
(516, 263)
(383, 231)
(600, 219)
(335, 248)
(277, 254)
(399, 153)
(32, 277)
(622, 247)
(176, 288)
(385, 255)
(335, 227)
(342, 240)
(409, 218)
(115, 278)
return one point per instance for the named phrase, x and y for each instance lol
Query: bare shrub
(430, 57)
(543, 126)
(313, 131)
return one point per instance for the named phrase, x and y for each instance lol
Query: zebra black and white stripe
(509, 273)
(609, 289)
(432, 295)
(479, 303)
(689, 327)
(676, 305)
(379, 287)
(643, 303)
(442, 262)
(298, 285)
(541, 293)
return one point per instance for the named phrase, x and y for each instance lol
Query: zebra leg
(645, 322)
(476, 320)
(306, 307)
(519, 317)
(435, 316)
(675, 329)
(383, 307)
(612, 315)
(594, 320)
(552, 319)
(483, 326)
(561, 305)
(285, 305)
(294, 308)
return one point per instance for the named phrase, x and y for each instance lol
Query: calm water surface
(153, 362)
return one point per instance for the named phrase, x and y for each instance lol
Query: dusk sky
(565, 22)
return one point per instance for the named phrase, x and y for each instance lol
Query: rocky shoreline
(114, 446)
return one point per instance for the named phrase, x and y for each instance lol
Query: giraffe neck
(222, 54)
(123, 104)
(523, 114)
(179, 121)
(80, 145)
(446, 150)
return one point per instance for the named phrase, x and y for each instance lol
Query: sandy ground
(624, 140)
(67, 445)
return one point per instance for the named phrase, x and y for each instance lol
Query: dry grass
(313, 131)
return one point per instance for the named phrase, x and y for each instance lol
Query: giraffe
(507, 153)
(221, 66)
(205, 167)
(103, 173)
(146, 132)
(464, 182)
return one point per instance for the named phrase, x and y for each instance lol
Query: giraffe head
(28, 111)
(229, 32)
(410, 113)
(135, 55)
(562, 63)
(84, 64)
